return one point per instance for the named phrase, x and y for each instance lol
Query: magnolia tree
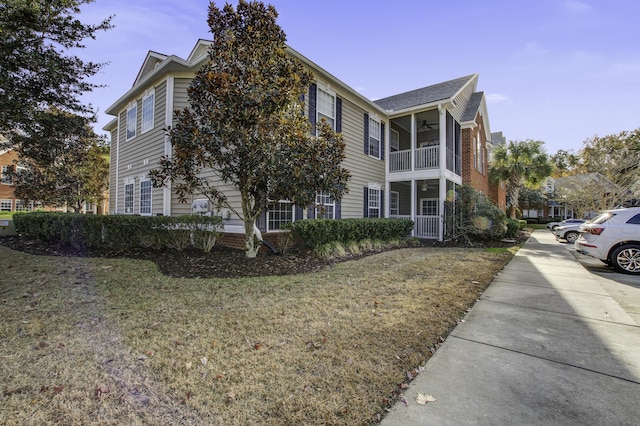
(61, 161)
(246, 124)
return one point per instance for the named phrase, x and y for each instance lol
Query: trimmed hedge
(316, 232)
(120, 231)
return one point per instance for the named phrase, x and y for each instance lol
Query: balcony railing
(427, 227)
(424, 226)
(400, 161)
(427, 158)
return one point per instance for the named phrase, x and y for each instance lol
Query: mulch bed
(221, 262)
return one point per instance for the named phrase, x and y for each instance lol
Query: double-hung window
(148, 108)
(5, 205)
(325, 206)
(278, 214)
(128, 197)
(375, 137)
(7, 179)
(374, 202)
(326, 107)
(145, 197)
(132, 117)
(429, 206)
(394, 203)
(23, 206)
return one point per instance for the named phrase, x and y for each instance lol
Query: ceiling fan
(427, 126)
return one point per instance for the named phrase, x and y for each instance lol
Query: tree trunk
(251, 242)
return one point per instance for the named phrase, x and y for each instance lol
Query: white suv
(614, 238)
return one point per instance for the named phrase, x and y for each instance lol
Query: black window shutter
(313, 93)
(382, 141)
(338, 115)
(311, 212)
(365, 212)
(382, 203)
(338, 210)
(298, 213)
(261, 223)
(366, 134)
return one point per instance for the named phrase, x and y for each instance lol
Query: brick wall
(478, 180)
(6, 191)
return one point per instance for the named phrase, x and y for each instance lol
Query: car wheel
(571, 236)
(626, 259)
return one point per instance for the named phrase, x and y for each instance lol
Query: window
(429, 207)
(375, 137)
(132, 116)
(148, 107)
(325, 207)
(22, 206)
(7, 179)
(326, 107)
(128, 198)
(145, 197)
(5, 205)
(394, 203)
(394, 143)
(374, 202)
(635, 220)
(278, 214)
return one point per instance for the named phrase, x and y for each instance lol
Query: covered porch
(423, 201)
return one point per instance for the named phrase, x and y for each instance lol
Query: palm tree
(519, 163)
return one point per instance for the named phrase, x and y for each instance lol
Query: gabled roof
(151, 61)
(473, 107)
(426, 95)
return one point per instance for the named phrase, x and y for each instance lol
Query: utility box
(7, 227)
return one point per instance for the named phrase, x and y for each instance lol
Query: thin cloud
(494, 98)
(577, 7)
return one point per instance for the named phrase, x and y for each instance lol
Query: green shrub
(513, 227)
(477, 217)
(317, 232)
(120, 231)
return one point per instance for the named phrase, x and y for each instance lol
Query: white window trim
(378, 123)
(147, 95)
(394, 140)
(334, 95)
(150, 198)
(133, 196)
(4, 201)
(130, 107)
(5, 170)
(319, 205)
(393, 194)
(268, 212)
(422, 200)
(374, 187)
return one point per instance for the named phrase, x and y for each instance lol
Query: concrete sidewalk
(544, 345)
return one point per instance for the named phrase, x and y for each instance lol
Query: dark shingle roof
(426, 95)
(472, 107)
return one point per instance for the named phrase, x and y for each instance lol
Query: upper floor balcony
(408, 160)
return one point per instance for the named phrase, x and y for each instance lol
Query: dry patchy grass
(114, 341)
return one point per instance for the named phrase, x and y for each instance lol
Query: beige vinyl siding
(180, 101)
(363, 168)
(142, 153)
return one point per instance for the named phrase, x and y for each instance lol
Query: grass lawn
(114, 341)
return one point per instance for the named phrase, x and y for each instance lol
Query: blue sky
(559, 71)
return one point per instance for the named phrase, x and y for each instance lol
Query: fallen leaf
(231, 397)
(422, 399)
(204, 360)
(142, 357)
(257, 346)
(188, 365)
(404, 402)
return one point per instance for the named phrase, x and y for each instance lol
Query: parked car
(554, 225)
(569, 232)
(614, 238)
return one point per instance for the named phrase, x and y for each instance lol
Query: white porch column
(442, 182)
(414, 135)
(413, 205)
(168, 119)
(442, 197)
